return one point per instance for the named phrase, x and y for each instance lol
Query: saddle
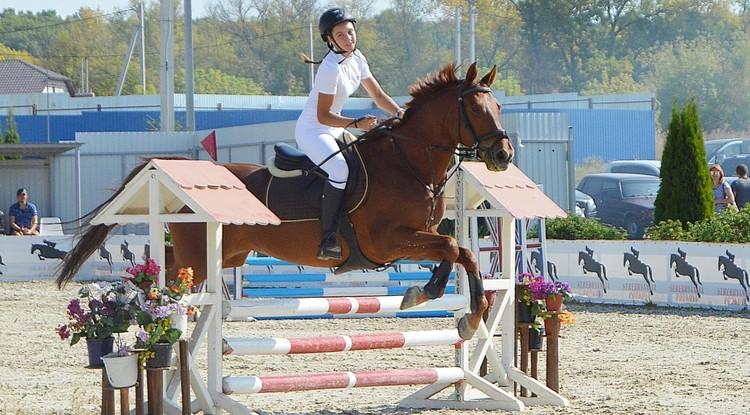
(295, 188)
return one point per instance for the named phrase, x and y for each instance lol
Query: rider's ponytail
(309, 60)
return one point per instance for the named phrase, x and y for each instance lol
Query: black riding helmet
(331, 18)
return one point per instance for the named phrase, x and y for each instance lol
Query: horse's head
(479, 121)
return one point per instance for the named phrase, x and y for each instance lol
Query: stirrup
(329, 248)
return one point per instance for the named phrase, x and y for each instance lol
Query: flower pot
(535, 339)
(122, 371)
(524, 313)
(179, 322)
(98, 348)
(552, 326)
(554, 302)
(162, 356)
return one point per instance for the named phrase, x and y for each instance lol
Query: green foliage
(685, 191)
(215, 81)
(728, 226)
(11, 135)
(576, 227)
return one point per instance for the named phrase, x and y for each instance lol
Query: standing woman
(723, 195)
(342, 70)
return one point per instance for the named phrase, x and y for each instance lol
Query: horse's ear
(490, 77)
(471, 75)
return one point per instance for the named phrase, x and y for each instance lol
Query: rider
(341, 72)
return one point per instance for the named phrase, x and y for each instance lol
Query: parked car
(623, 200)
(585, 205)
(647, 167)
(719, 150)
(729, 165)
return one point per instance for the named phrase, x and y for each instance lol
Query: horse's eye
(476, 108)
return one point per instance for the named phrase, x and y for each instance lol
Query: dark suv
(624, 200)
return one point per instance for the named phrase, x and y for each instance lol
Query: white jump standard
(156, 196)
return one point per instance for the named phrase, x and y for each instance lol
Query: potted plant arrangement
(156, 335)
(554, 296)
(121, 366)
(530, 292)
(177, 289)
(100, 310)
(144, 275)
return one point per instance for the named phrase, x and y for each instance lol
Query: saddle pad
(297, 199)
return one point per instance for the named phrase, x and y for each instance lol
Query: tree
(685, 192)
(11, 134)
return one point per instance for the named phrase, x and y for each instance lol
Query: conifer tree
(11, 134)
(685, 191)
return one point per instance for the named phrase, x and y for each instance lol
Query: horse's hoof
(413, 297)
(464, 330)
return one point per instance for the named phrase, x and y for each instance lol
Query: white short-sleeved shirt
(338, 78)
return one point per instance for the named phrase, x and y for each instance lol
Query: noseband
(478, 139)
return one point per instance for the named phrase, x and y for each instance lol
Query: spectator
(22, 216)
(723, 196)
(741, 186)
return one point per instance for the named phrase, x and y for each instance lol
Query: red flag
(209, 144)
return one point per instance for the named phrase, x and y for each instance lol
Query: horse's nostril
(502, 155)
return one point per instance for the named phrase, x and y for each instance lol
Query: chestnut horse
(408, 168)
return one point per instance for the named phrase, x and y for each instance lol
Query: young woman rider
(342, 70)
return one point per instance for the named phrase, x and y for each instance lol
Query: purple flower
(74, 309)
(63, 331)
(562, 287)
(142, 335)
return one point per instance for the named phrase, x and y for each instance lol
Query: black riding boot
(330, 209)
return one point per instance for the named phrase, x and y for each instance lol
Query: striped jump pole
(341, 380)
(327, 344)
(243, 309)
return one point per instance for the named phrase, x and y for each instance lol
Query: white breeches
(318, 144)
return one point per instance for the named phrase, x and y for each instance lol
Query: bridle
(437, 189)
(477, 139)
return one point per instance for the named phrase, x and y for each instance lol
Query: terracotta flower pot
(554, 302)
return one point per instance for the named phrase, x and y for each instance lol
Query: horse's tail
(747, 279)
(624, 259)
(91, 240)
(719, 263)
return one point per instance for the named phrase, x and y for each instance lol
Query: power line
(80, 19)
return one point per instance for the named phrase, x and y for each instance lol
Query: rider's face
(345, 36)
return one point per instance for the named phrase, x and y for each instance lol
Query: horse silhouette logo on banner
(681, 267)
(586, 259)
(634, 265)
(730, 270)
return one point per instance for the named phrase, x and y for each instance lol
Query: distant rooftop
(20, 77)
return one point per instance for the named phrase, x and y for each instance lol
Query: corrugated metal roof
(513, 191)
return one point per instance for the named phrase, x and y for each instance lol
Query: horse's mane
(425, 87)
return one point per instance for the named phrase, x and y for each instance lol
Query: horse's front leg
(425, 245)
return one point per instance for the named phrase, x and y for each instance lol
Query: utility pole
(142, 32)
(166, 65)
(127, 58)
(189, 99)
(312, 56)
(458, 36)
(472, 30)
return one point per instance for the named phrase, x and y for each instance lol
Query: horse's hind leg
(604, 286)
(433, 289)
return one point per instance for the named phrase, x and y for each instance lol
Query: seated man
(22, 216)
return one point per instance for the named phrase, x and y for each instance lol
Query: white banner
(663, 272)
(37, 257)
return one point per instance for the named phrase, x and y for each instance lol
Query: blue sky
(67, 7)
